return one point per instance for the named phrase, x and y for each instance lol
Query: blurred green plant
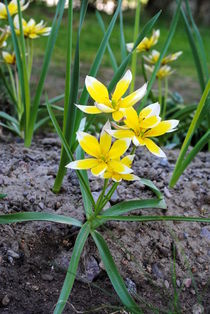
(19, 65)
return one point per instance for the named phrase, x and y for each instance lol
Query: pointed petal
(129, 47)
(105, 139)
(89, 109)
(119, 167)
(89, 144)
(151, 110)
(153, 148)
(133, 98)
(122, 86)
(127, 160)
(162, 128)
(104, 108)
(132, 120)
(119, 148)
(130, 177)
(99, 169)
(97, 90)
(150, 122)
(121, 133)
(117, 115)
(83, 164)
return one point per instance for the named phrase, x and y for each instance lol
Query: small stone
(5, 301)
(187, 282)
(167, 192)
(101, 265)
(197, 309)
(131, 286)
(205, 233)
(192, 291)
(57, 205)
(164, 162)
(35, 288)
(47, 277)
(178, 283)
(13, 254)
(92, 269)
(41, 205)
(156, 271)
(166, 283)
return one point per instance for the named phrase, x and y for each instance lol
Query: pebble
(167, 192)
(187, 282)
(131, 286)
(41, 205)
(166, 283)
(47, 277)
(178, 283)
(205, 233)
(13, 254)
(92, 269)
(5, 301)
(156, 271)
(197, 309)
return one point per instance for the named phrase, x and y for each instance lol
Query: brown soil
(34, 256)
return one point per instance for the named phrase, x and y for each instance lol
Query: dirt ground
(34, 256)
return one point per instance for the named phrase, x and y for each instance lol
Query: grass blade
(7, 117)
(6, 84)
(111, 54)
(163, 52)
(155, 218)
(127, 206)
(122, 38)
(114, 275)
(47, 58)
(152, 187)
(72, 269)
(31, 216)
(176, 174)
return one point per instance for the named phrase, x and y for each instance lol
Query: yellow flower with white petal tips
(116, 105)
(3, 37)
(163, 72)
(9, 58)
(117, 177)
(140, 128)
(12, 8)
(31, 29)
(154, 56)
(105, 155)
(147, 43)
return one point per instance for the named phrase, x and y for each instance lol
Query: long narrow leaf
(114, 275)
(176, 174)
(6, 84)
(31, 216)
(122, 38)
(7, 117)
(127, 206)
(163, 52)
(72, 269)
(111, 54)
(155, 218)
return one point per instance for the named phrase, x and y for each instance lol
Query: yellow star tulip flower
(12, 8)
(117, 177)
(116, 105)
(3, 37)
(154, 56)
(8, 57)
(164, 71)
(31, 29)
(105, 155)
(141, 128)
(146, 43)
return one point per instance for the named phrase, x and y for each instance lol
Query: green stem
(12, 82)
(108, 195)
(165, 98)
(20, 108)
(30, 56)
(100, 198)
(134, 54)
(160, 93)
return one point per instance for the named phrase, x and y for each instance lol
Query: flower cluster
(106, 158)
(31, 30)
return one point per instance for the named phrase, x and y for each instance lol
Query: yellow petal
(133, 98)
(99, 169)
(121, 133)
(162, 128)
(130, 177)
(105, 139)
(119, 167)
(150, 122)
(151, 110)
(122, 86)
(104, 108)
(83, 164)
(89, 109)
(128, 160)
(89, 144)
(153, 148)
(97, 90)
(132, 120)
(119, 148)
(117, 115)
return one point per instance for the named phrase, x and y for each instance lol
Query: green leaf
(151, 185)
(111, 54)
(47, 57)
(122, 38)
(178, 170)
(2, 196)
(183, 113)
(114, 275)
(8, 117)
(154, 218)
(7, 85)
(72, 269)
(31, 216)
(162, 54)
(127, 206)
